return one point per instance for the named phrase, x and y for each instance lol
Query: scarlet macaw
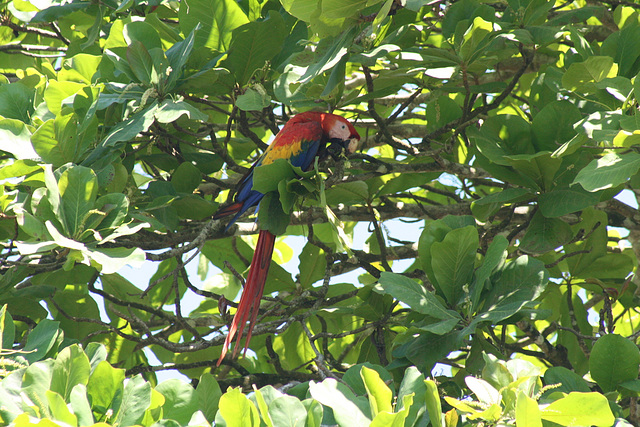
(302, 138)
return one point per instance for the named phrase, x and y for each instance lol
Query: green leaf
(70, 369)
(141, 63)
(105, 387)
(59, 409)
(521, 281)
(287, 411)
(237, 410)
(267, 177)
(580, 409)
(78, 188)
(334, 53)
(142, 32)
(545, 234)
(56, 92)
(208, 393)
(554, 125)
(452, 260)
(434, 407)
(564, 201)
(253, 100)
(171, 110)
(7, 329)
(348, 409)
(136, 398)
(568, 380)
(302, 9)
(379, 394)
(496, 255)
(186, 178)
(124, 131)
(16, 102)
(527, 412)
(348, 193)
(609, 171)
(217, 20)
(413, 385)
(253, 45)
(56, 140)
(313, 264)
(488, 205)
(415, 296)
(180, 402)
(613, 360)
(55, 12)
(80, 405)
(582, 76)
(271, 217)
(15, 138)
(41, 339)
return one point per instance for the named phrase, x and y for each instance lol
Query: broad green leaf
(348, 409)
(434, 407)
(253, 45)
(484, 391)
(334, 53)
(545, 234)
(170, 110)
(379, 394)
(582, 76)
(124, 131)
(136, 398)
(527, 412)
(41, 339)
(267, 177)
(287, 411)
(78, 188)
(610, 170)
(579, 409)
(16, 102)
(143, 32)
(561, 202)
(208, 393)
(141, 63)
(271, 217)
(496, 255)
(59, 409)
(105, 388)
(15, 138)
(70, 369)
(452, 260)
(568, 380)
(554, 125)
(217, 20)
(186, 178)
(237, 410)
(181, 400)
(613, 360)
(302, 9)
(35, 384)
(253, 100)
(56, 140)
(7, 329)
(414, 295)
(56, 92)
(313, 264)
(78, 399)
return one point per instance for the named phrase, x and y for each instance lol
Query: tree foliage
(505, 133)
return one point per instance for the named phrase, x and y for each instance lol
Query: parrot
(303, 138)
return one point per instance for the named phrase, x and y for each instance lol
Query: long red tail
(252, 293)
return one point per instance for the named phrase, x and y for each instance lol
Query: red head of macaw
(303, 138)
